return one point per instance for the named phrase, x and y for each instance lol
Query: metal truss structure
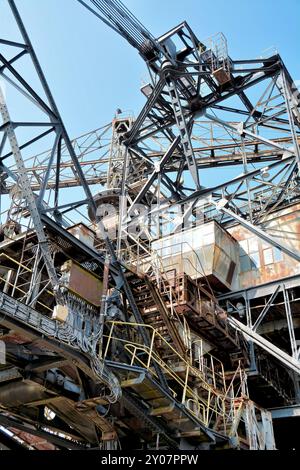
(217, 141)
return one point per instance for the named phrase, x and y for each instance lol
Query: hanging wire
(121, 20)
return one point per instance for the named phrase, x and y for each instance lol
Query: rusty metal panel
(84, 284)
(204, 251)
(38, 443)
(66, 410)
(265, 262)
(221, 75)
(83, 233)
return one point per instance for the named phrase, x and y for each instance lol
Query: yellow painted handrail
(207, 408)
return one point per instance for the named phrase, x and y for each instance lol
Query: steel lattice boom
(149, 269)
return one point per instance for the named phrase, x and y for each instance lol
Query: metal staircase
(154, 311)
(165, 306)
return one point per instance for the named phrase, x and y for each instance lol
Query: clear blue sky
(92, 71)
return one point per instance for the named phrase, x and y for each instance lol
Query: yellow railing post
(133, 355)
(208, 406)
(151, 349)
(109, 340)
(205, 408)
(185, 383)
(213, 370)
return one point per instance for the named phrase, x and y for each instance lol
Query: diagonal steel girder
(240, 129)
(52, 109)
(158, 169)
(221, 206)
(269, 347)
(266, 308)
(208, 192)
(24, 183)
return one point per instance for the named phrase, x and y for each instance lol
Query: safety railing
(210, 306)
(22, 288)
(208, 401)
(236, 389)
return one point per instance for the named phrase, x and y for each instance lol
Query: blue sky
(92, 71)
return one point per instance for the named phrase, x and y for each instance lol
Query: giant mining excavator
(147, 303)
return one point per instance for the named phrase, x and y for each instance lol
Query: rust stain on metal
(283, 226)
(84, 284)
